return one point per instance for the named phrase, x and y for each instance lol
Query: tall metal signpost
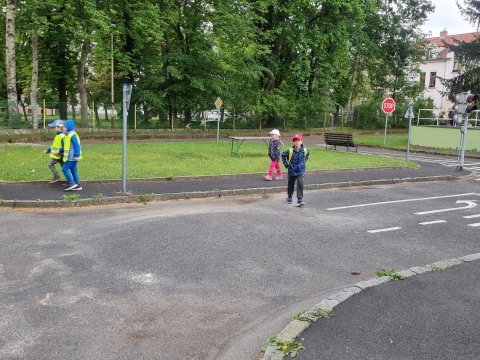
(388, 107)
(127, 93)
(218, 105)
(409, 116)
(460, 109)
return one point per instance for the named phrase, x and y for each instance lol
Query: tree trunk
(81, 88)
(62, 97)
(10, 64)
(97, 118)
(34, 84)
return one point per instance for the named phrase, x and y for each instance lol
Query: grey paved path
(429, 316)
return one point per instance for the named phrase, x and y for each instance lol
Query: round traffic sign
(388, 105)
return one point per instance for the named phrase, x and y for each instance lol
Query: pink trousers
(276, 165)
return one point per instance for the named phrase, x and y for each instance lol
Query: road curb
(209, 194)
(294, 329)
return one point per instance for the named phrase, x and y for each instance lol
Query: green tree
(466, 54)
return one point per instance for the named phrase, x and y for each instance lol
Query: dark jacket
(296, 165)
(274, 150)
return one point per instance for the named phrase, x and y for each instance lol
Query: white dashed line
(384, 230)
(474, 225)
(471, 216)
(432, 222)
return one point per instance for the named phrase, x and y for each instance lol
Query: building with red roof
(441, 63)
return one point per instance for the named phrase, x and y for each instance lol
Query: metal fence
(100, 116)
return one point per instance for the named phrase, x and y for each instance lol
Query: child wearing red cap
(274, 155)
(294, 160)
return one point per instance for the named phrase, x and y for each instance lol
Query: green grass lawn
(158, 159)
(395, 141)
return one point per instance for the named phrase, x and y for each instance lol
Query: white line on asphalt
(474, 225)
(399, 201)
(383, 230)
(471, 216)
(432, 222)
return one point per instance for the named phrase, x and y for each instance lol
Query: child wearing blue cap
(56, 150)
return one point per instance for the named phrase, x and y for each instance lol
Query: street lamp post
(112, 82)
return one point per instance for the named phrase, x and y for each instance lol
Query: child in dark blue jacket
(294, 160)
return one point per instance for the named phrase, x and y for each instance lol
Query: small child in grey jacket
(274, 155)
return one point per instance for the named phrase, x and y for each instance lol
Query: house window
(433, 79)
(422, 78)
(456, 66)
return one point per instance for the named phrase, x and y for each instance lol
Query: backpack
(290, 153)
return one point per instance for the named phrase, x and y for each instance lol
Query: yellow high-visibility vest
(56, 146)
(66, 147)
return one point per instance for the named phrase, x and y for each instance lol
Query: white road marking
(471, 216)
(384, 230)
(474, 225)
(399, 201)
(432, 222)
(470, 204)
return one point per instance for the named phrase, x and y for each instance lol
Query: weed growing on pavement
(313, 315)
(97, 196)
(392, 274)
(145, 198)
(1, 201)
(71, 197)
(287, 347)
(436, 268)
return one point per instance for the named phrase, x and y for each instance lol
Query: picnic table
(237, 141)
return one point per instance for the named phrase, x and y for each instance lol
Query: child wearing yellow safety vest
(55, 151)
(72, 152)
(294, 160)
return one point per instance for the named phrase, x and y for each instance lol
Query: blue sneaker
(289, 200)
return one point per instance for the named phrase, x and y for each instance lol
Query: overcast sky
(446, 16)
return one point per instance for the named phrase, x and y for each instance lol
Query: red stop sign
(388, 105)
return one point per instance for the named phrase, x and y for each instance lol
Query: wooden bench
(339, 139)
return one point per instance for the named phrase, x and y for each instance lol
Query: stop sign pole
(388, 107)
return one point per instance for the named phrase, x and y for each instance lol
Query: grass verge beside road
(161, 159)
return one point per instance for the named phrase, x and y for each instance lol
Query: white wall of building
(443, 68)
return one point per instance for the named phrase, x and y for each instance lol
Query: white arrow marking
(399, 201)
(470, 204)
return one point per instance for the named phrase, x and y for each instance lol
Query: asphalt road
(209, 278)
